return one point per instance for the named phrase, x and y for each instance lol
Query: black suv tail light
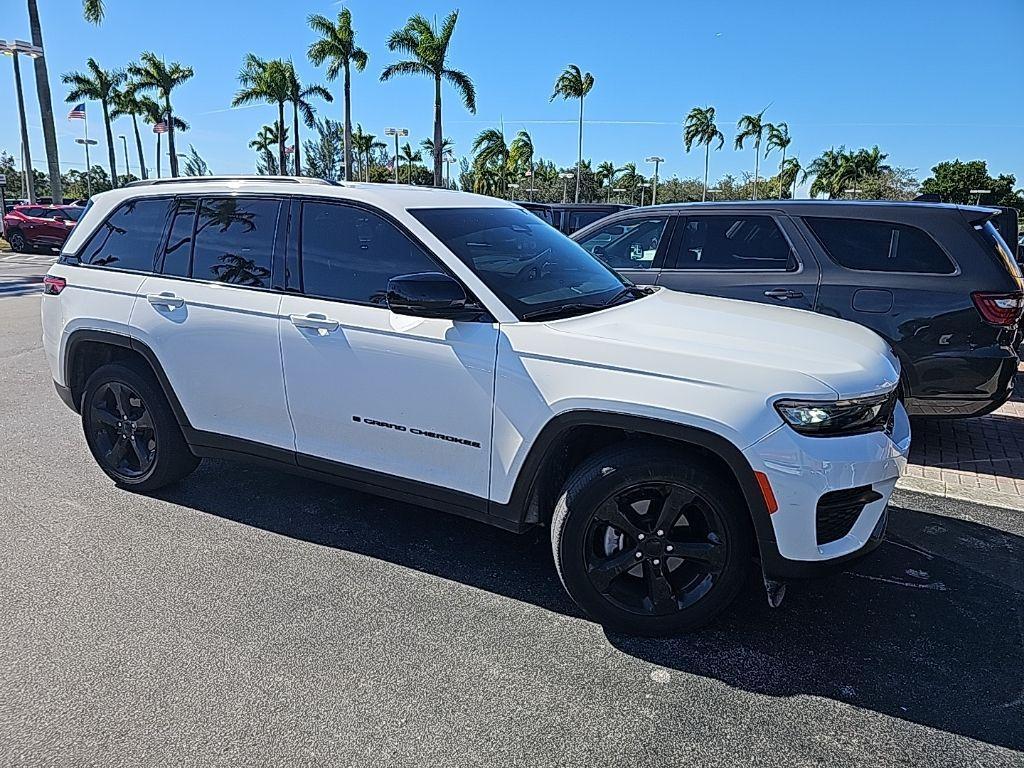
(999, 308)
(53, 285)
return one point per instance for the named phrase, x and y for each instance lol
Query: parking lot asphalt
(246, 617)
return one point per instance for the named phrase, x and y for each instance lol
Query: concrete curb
(961, 493)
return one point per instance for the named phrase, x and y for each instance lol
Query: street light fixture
(565, 176)
(713, 191)
(448, 158)
(645, 185)
(512, 187)
(979, 193)
(619, 191)
(396, 132)
(12, 49)
(88, 165)
(657, 162)
(529, 175)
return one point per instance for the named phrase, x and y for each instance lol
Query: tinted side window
(350, 253)
(733, 243)
(627, 243)
(880, 246)
(580, 219)
(129, 239)
(234, 241)
(178, 251)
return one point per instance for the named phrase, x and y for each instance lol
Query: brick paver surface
(985, 453)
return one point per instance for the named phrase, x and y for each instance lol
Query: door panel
(407, 396)
(754, 257)
(218, 345)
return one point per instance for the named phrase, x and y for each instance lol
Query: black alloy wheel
(122, 427)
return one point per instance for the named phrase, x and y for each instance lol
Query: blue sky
(926, 80)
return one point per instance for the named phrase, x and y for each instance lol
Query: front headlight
(838, 417)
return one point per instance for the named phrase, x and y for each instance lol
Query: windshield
(533, 268)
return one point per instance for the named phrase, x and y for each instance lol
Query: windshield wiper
(630, 290)
(562, 310)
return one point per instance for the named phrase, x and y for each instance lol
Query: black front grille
(838, 511)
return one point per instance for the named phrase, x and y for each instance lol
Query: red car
(27, 227)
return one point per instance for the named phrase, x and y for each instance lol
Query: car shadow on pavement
(929, 628)
(21, 285)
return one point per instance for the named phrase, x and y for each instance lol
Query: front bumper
(803, 469)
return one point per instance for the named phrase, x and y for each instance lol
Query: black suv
(938, 282)
(569, 217)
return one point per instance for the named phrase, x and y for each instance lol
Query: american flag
(160, 127)
(78, 113)
(289, 150)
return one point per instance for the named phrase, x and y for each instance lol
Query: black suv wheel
(650, 541)
(131, 429)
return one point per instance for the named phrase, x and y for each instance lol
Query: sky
(926, 80)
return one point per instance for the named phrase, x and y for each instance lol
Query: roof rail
(246, 177)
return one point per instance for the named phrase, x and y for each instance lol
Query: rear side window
(727, 242)
(178, 251)
(349, 253)
(130, 237)
(234, 240)
(880, 246)
(580, 219)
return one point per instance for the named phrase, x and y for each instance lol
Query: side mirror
(429, 294)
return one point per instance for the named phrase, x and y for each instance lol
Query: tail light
(53, 285)
(999, 308)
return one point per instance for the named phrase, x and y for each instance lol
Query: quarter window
(234, 241)
(740, 243)
(178, 251)
(349, 253)
(130, 237)
(880, 246)
(627, 243)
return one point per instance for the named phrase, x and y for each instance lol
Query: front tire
(131, 430)
(18, 242)
(650, 540)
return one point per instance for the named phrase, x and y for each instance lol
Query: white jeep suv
(455, 351)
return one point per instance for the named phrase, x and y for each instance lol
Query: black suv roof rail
(240, 177)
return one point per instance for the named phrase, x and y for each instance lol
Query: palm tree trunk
(280, 138)
(110, 144)
(348, 124)
(45, 107)
(757, 165)
(138, 147)
(437, 131)
(170, 136)
(707, 161)
(295, 136)
(781, 166)
(579, 157)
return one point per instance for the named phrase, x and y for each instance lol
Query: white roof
(385, 196)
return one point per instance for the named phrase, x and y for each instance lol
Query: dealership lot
(246, 616)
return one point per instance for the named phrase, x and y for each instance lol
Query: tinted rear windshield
(999, 248)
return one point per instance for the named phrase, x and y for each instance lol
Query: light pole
(657, 162)
(449, 158)
(12, 49)
(127, 173)
(396, 132)
(512, 190)
(979, 193)
(88, 166)
(645, 185)
(529, 175)
(619, 191)
(565, 176)
(712, 192)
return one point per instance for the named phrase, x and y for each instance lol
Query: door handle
(314, 320)
(165, 299)
(783, 293)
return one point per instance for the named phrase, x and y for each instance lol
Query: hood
(733, 344)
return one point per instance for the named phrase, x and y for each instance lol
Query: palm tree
(429, 49)
(491, 151)
(752, 127)
(299, 97)
(574, 84)
(97, 84)
(828, 171)
(520, 156)
(446, 145)
(264, 144)
(153, 113)
(153, 74)
(700, 128)
(788, 173)
(92, 11)
(778, 138)
(410, 157)
(127, 104)
(45, 105)
(337, 46)
(268, 81)
(364, 144)
(606, 173)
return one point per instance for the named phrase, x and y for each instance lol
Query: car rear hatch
(1003, 304)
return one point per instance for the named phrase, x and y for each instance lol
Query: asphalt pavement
(246, 617)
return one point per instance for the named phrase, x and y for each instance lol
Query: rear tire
(131, 429)
(17, 241)
(650, 540)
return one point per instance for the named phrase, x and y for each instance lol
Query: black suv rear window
(880, 246)
(130, 237)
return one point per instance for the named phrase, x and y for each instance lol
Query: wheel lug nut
(668, 548)
(661, 533)
(640, 537)
(657, 561)
(639, 555)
